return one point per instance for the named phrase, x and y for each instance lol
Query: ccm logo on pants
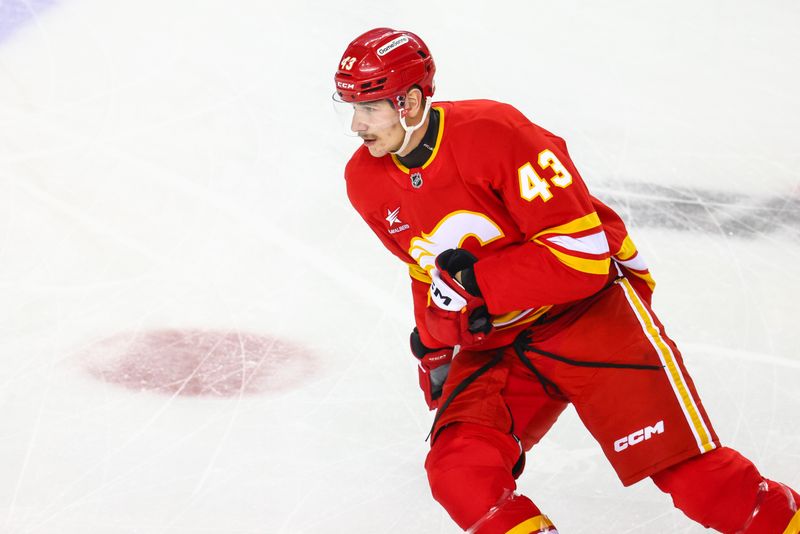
(639, 436)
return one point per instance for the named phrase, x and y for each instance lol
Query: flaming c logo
(451, 232)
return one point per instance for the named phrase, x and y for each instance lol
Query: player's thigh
(533, 410)
(472, 392)
(505, 396)
(646, 416)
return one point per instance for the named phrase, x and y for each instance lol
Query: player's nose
(357, 125)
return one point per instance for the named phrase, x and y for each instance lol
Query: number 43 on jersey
(531, 185)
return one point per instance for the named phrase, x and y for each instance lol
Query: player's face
(377, 123)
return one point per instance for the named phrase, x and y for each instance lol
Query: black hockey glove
(457, 313)
(459, 260)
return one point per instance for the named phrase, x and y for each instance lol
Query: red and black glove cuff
(459, 260)
(455, 315)
(434, 365)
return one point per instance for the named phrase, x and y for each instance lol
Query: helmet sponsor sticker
(345, 85)
(391, 45)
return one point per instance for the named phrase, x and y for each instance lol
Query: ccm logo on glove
(443, 295)
(457, 313)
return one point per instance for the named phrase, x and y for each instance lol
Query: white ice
(177, 164)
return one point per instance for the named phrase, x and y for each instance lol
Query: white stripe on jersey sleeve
(636, 263)
(589, 244)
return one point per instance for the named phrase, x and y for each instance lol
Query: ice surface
(176, 166)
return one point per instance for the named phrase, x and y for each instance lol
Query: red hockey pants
(612, 360)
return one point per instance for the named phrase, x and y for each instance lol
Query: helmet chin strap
(411, 129)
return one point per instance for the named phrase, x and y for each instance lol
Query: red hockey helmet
(384, 63)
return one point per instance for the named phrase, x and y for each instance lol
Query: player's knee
(469, 470)
(717, 489)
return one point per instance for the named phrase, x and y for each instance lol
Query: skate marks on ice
(198, 363)
(706, 211)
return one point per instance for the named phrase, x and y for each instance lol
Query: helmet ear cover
(399, 100)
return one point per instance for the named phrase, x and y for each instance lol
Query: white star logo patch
(392, 217)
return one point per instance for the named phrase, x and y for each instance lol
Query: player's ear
(414, 103)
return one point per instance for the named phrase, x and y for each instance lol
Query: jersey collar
(435, 150)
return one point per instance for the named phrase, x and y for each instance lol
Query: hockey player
(528, 295)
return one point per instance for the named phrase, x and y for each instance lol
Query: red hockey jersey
(506, 190)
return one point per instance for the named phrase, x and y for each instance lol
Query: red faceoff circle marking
(198, 363)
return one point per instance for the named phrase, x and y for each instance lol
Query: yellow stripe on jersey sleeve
(629, 257)
(599, 266)
(418, 273)
(587, 222)
(540, 523)
(794, 524)
(516, 318)
(627, 250)
(647, 277)
(594, 244)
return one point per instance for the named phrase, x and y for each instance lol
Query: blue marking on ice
(16, 13)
